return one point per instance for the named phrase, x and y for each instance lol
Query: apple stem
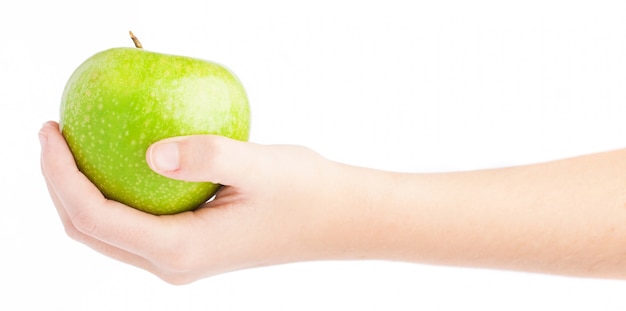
(135, 40)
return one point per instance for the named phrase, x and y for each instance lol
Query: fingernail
(164, 157)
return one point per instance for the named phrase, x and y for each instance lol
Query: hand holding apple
(284, 204)
(121, 100)
(280, 204)
(287, 204)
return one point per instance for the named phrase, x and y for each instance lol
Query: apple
(120, 101)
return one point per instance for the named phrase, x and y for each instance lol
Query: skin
(288, 204)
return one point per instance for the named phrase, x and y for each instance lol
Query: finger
(86, 209)
(209, 158)
(102, 247)
(95, 244)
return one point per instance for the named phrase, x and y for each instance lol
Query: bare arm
(565, 217)
(287, 204)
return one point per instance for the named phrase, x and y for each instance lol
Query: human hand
(285, 204)
(279, 204)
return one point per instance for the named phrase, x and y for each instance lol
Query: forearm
(285, 204)
(564, 217)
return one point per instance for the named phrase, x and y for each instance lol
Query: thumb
(202, 158)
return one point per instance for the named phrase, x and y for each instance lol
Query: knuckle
(73, 233)
(177, 262)
(177, 258)
(211, 149)
(194, 153)
(84, 221)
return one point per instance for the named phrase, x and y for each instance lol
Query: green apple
(120, 101)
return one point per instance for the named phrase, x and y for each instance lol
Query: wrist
(349, 221)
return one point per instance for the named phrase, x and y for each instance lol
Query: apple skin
(120, 101)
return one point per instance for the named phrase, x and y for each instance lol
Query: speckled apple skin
(120, 101)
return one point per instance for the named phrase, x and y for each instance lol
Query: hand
(280, 204)
(285, 204)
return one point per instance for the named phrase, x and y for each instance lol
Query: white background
(415, 86)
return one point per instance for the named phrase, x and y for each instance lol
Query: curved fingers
(89, 217)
